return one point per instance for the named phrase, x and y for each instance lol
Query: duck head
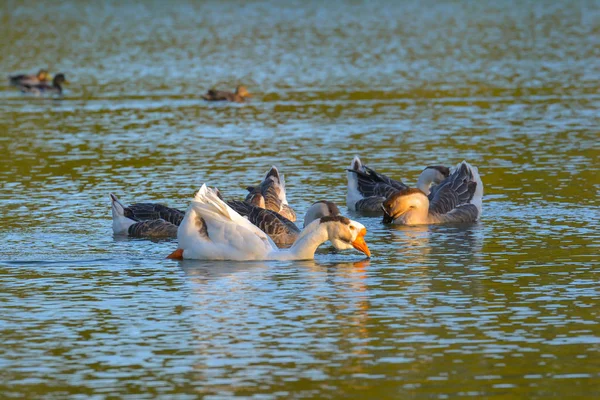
(242, 91)
(59, 79)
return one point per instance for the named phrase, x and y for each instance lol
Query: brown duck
(240, 95)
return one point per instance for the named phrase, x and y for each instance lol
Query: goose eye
(351, 228)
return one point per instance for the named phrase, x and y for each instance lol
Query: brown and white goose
(368, 189)
(457, 199)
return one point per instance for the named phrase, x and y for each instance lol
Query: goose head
(406, 204)
(321, 209)
(242, 91)
(432, 175)
(439, 173)
(344, 234)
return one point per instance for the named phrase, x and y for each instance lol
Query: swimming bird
(211, 230)
(24, 79)
(458, 198)
(43, 87)
(145, 220)
(270, 194)
(239, 96)
(368, 189)
(151, 220)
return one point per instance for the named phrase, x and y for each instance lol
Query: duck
(154, 221)
(457, 199)
(239, 96)
(368, 189)
(211, 230)
(271, 194)
(43, 87)
(24, 79)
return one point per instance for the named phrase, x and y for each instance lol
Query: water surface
(505, 308)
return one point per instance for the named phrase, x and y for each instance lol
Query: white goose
(368, 189)
(211, 230)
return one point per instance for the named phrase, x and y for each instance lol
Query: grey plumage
(372, 183)
(371, 205)
(462, 213)
(152, 211)
(268, 195)
(455, 190)
(280, 229)
(157, 228)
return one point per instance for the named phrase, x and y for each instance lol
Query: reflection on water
(506, 307)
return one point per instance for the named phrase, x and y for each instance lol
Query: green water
(506, 308)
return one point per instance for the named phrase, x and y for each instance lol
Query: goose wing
(455, 190)
(228, 228)
(272, 190)
(372, 183)
(280, 229)
(158, 228)
(153, 211)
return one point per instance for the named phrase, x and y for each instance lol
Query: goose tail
(353, 194)
(121, 223)
(477, 199)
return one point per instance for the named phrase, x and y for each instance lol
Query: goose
(239, 96)
(270, 194)
(458, 198)
(151, 220)
(161, 222)
(24, 79)
(211, 230)
(368, 189)
(43, 87)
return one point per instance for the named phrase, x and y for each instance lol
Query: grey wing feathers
(157, 228)
(280, 229)
(152, 211)
(372, 183)
(371, 204)
(455, 190)
(269, 192)
(462, 213)
(241, 207)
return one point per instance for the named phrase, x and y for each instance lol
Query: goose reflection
(422, 244)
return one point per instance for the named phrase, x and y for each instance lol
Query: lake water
(505, 308)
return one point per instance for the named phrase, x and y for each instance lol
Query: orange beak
(176, 255)
(360, 244)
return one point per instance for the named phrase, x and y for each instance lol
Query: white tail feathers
(121, 223)
(477, 199)
(353, 194)
(279, 180)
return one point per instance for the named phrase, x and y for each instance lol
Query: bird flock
(43, 83)
(262, 226)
